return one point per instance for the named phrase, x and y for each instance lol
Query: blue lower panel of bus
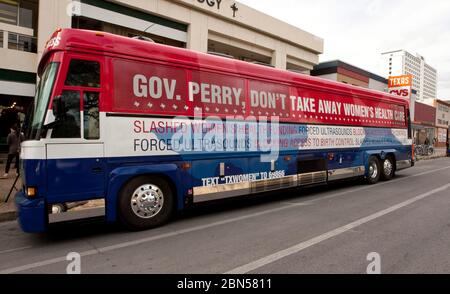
(228, 171)
(32, 214)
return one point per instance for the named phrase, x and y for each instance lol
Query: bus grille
(312, 178)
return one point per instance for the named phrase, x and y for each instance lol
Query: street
(327, 229)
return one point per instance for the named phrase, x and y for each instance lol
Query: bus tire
(374, 172)
(388, 169)
(145, 202)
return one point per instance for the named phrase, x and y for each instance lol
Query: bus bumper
(32, 213)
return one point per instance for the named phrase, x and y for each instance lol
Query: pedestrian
(14, 139)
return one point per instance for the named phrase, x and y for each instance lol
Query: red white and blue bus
(153, 129)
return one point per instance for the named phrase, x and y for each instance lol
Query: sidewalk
(7, 210)
(438, 153)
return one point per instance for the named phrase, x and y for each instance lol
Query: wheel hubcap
(373, 170)
(387, 167)
(147, 201)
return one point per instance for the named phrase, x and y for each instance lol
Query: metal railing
(424, 150)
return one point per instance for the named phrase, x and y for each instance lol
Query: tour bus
(151, 129)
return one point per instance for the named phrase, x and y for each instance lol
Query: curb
(8, 216)
(426, 158)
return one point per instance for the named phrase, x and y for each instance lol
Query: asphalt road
(331, 229)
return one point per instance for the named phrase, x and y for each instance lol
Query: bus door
(75, 148)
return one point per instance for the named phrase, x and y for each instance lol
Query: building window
(85, 23)
(22, 13)
(22, 43)
(28, 11)
(9, 12)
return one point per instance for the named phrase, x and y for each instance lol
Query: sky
(358, 31)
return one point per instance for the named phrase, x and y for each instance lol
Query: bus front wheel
(374, 172)
(145, 203)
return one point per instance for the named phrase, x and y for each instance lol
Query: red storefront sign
(425, 114)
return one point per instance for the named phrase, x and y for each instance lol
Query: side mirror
(59, 108)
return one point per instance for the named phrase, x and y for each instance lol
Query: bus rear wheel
(145, 203)
(374, 172)
(388, 169)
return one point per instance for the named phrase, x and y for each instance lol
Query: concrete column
(53, 14)
(279, 57)
(198, 32)
(5, 39)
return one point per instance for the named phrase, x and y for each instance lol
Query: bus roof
(93, 42)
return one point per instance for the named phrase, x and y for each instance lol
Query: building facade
(340, 71)
(442, 124)
(222, 27)
(424, 125)
(401, 62)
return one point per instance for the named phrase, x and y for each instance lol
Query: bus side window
(70, 124)
(91, 116)
(83, 73)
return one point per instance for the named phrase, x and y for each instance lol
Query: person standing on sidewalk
(14, 138)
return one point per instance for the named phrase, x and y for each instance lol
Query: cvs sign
(401, 86)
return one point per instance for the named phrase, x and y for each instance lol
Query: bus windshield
(44, 90)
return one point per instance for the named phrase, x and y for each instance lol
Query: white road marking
(15, 249)
(369, 187)
(246, 268)
(144, 240)
(190, 230)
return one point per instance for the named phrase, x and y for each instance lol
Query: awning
(421, 127)
(17, 89)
